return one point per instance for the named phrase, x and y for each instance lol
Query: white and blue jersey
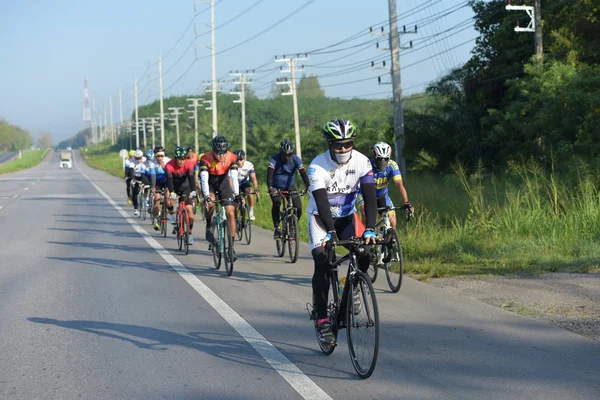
(341, 182)
(244, 172)
(141, 168)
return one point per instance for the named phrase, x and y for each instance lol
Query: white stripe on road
(1, 207)
(292, 374)
(26, 188)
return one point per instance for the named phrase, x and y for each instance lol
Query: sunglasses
(138, 158)
(383, 159)
(341, 145)
(220, 152)
(160, 156)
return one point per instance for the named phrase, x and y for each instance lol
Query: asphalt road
(94, 305)
(4, 157)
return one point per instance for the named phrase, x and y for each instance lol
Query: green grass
(103, 158)
(29, 159)
(525, 221)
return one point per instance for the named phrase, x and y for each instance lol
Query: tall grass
(525, 221)
(29, 159)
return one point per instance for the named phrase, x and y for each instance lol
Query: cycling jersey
(161, 174)
(141, 168)
(244, 172)
(214, 175)
(180, 177)
(209, 163)
(284, 173)
(382, 178)
(341, 182)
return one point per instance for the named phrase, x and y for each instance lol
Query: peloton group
(339, 181)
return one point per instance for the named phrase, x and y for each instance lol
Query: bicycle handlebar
(404, 207)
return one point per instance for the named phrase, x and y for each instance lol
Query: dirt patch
(570, 301)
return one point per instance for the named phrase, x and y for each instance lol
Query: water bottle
(341, 287)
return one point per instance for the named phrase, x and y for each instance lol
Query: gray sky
(49, 47)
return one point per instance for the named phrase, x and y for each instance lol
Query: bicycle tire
(280, 243)
(184, 228)
(292, 237)
(228, 249)
(394, 268)
(239, 222)
(373, 268)
(143, 207)
(163, 218)
(333, 307)
(151, 208)
(248, 228)
(215, 246)
(362, 325)
(140, 203)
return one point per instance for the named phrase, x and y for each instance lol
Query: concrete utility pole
(291, 62)
(112, 127)
(137, 117)
(162, 110)
(120, 111)
(534, 25)
(399, 137)
(242, 93)
(214, 67)
(195, 104)
(144, 131)
(105, 112)
(95, 116)
(176, 112)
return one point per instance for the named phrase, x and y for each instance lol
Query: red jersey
(209, 163)
(176, 175)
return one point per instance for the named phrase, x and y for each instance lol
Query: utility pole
(144, 131)
(137, 117)
(534, 25)
(399, 137)
(105, 134)
(242, 93)
(195, 104)
(162, 112)
(291, 62)
(95, 116)
(112, 127)
(176, 112)
(120, 111)
(214, 67)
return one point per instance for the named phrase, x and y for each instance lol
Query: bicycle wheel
(163, 218)
(184, 229)
(393, 260)
(333, 306)
(143, 207)
(215, 247)
(228, 249)
(239, 222)
(280, 243)
(151, 208)
(362, 318)
(292, 237)
(140, 202)
(373, 267)
(248, 228)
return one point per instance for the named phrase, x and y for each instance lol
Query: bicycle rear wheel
(184, 229)
(228, 249)
(163, 218)
(248, 227)
(140, 202)
(215, 246)
(393, 260)
(362, 321)
(292, 237)
(239, 222)
(373, 267)
(143, 207)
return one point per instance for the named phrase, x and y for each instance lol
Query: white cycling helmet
(382, 150)
(138, 154)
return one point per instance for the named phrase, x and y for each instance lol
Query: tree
(45, 140)
(309, 87)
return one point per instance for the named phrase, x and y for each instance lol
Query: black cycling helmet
(159, 149)
(339, 129)
(180, 152)
(240, 154)
(190, 149)
(286, 146)
(220, 144)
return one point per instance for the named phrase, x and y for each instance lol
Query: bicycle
(182, 229)
(222, 247)
(289, 230)
(242, 220)
(162, 214)
(361, 318)
(143, 199)
(389, 253)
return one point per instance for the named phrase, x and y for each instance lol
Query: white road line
(26, 188)
(32, 183)
(1, 207)
(15, 196)
(292, 374)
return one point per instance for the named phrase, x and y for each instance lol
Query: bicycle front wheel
(362, 324)
(215, 246)
(143, 207)
(163, 218)
(393, 260)
(292, 237)
(239, 222)
(248, 228)
(185, 231)
(228, 249)
(280, 243)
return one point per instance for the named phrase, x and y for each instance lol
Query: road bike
(388, 254)
(359, 316)
(182, 227)
(288, 221)
(142, 200)
(222, 246)
(242, 221)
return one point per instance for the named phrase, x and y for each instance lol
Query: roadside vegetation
(29, 159)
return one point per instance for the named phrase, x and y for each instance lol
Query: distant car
(65, 159)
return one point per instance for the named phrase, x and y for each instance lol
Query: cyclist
(129, 163)
(335, 177)
(191, 155)
(247, 179)
(281, 174)
(384, 170)
(216, 169)
(139, 176)
(159, 163)
(180, 180)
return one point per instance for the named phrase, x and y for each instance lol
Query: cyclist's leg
(251, 197)
(296, 202)
(276, 199)
(128, 183)
(226, 192)
(392, 213)
(135, 189)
